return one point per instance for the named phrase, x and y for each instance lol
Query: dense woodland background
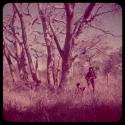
(48, 48)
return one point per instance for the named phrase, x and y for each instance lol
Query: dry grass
(24, 104)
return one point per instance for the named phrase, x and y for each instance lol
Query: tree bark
(48, 40)
(24, 37)
(67, 50)
(107, 77)
(71, 36)
(20, 53)
(66, 53)
(9, 61)
(57, 74)
(65, 74)
(49, 67)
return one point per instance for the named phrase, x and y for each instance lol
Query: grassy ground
(62, 113)
(24, 104)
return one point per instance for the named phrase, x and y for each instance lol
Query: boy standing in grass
(90, 76)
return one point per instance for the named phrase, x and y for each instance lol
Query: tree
(24, 37)
(20, 53)
(9, 61)
(107, 68)
(72, 34)
(48, 40)
(63, 36)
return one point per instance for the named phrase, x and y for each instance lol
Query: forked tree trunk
(67, 50)
(71, 36)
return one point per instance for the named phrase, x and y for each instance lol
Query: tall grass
(22, 103)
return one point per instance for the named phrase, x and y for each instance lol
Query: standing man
(90, 76)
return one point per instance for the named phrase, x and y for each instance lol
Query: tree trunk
(32, 69)
(9, 61)
(67, 51)
(65, 74)
(107, 77)
(23, 66)
(48, 40)
(54, 71)
(57, 74)
(49, 67)
(71, 36)
(20, 53)
(24, 37)
(11, 69)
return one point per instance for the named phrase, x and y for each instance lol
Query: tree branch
(58, 7)
(69, 20)
(5, 29)
(83, 19)
(101, 13)
(11, 53)
(56, 40)
(97, 14)
(94, 44)
(28, 12)
(104, 31)
(102, 51)
(8, 49)
(57, 20)
(73, 59)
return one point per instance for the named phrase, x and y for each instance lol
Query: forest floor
(42, 105)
